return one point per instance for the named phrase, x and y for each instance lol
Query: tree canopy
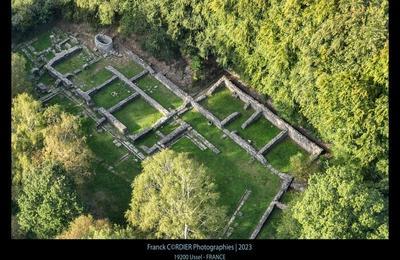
(172, 193)
(48, 201)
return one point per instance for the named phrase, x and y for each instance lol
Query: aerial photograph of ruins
(199, 119)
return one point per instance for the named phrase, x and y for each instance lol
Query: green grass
(168, 128)
(159, 92)
(71, 63)
(47, 79)
(221, 103)
(49, 55)
(259, 132)
(66, 104)
(104, 98)
(234, 171)
(43, 41)
(279, 156)
(93, 76)
(138, 115)
(269, 229)
(148, 140)
(128, 69)
(107, 193)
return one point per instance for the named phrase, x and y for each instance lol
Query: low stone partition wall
(285, 185)
(113, 120)
(102, 85)
(63, 55)
(66, 82)
(139, 61)
(139, 135)
(229, 118)
(49, 96)
(242, 200)
(200, 98)
(211, 90)
(122, 103)
(148, 99)
(173, 135)
(295, 135)
(279, 137)
(251, 119)
(171, 86)
(84, 95)
(207, 114)
(138, 76)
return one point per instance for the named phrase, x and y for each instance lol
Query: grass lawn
(43, 41)
(107, 193)
(148, 140)
(234, 171)
(93, 76)
(138, 115)
(71, 63)
(128, 69)
(168, 128)
(159, 92)
(279, 156)
(105, 98)
(221, 103)
(66, 104)
(269, 231)
(259, 132)
(47, 79)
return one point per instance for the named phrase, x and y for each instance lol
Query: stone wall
(295, 135)
(229, 118)
(113, 120)
(279, 137)
(210, 117)
(138, 76)
(173, 135)
(251, 119)
(172, 87)
(146, 97)
(268, 211)
(102, 85)
(214, 86)
(103, 43)
(84, 95)
(122, 103)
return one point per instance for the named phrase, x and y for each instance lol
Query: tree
(48, 201)
(174, 192)
(65, 142)
(19, 77)
(86, 227)
(339, 205)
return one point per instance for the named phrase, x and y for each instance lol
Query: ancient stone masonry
(58, 58)
(171, 86)
(207, 114)
(123, 102)
(173, 135)
(84, 95)
(102, 85)
(103, 43)
(279, 137)
(230, 118)
(284, 187)
(49, 96)
(148, 99)
(200, 98)
(200, 141)
(113, 120)
(242, 200)
(139, 61)
(295, 135)
(251, 119)
(214, 86)
(138, 76)
(142, 133)
(280, 205)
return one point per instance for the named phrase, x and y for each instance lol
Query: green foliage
(48, 201)
(339, 205)
(19, 75)
(172, 192)
(39, 134)
(86, 227)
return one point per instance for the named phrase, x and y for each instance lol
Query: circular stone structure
(103, 42)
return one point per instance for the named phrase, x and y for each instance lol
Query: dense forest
(324, 65)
